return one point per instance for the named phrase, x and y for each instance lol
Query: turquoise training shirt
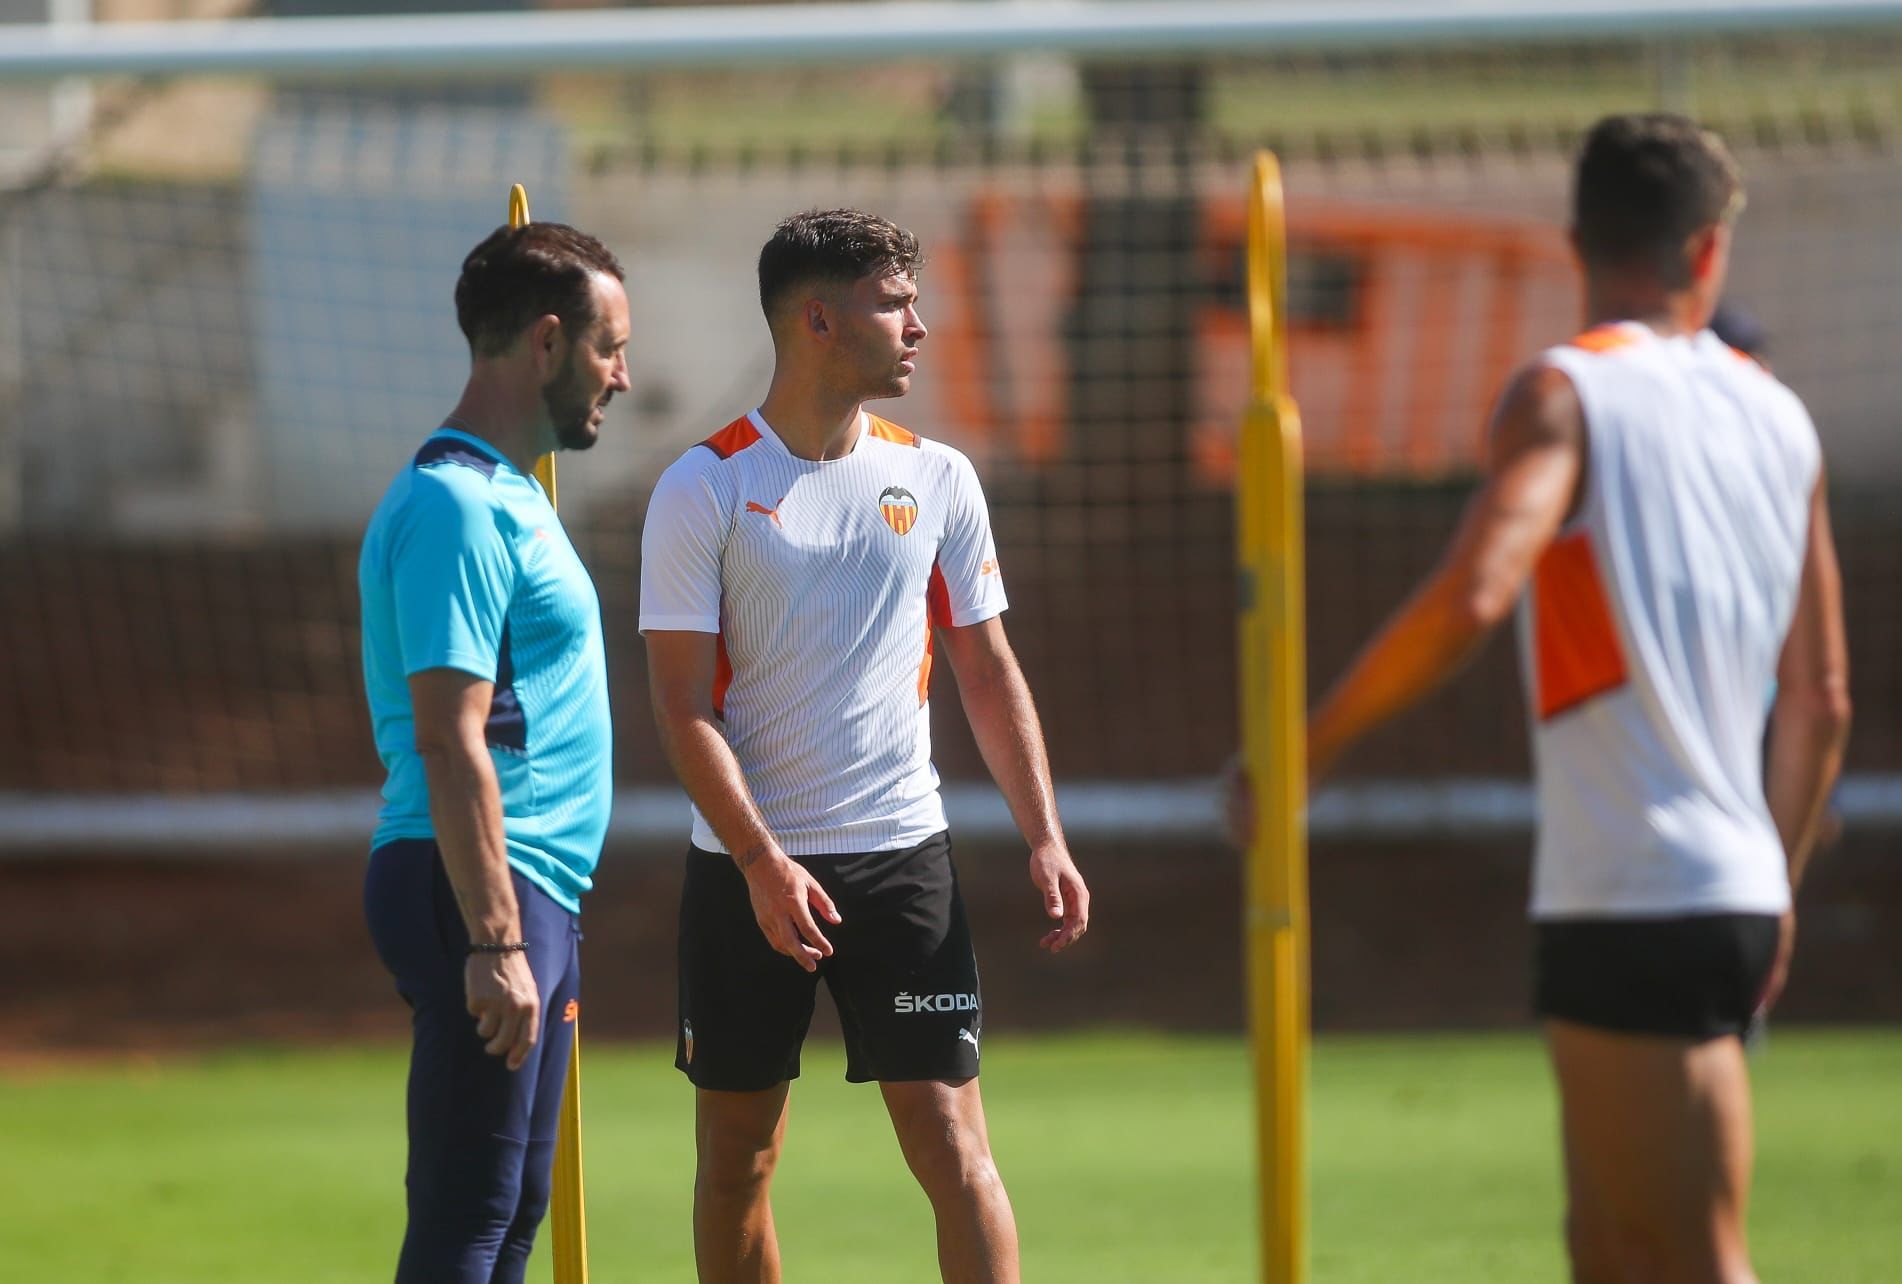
(465, 566)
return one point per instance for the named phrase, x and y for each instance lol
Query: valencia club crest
(898, 508)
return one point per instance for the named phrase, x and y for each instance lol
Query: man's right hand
(1780, 968)
(785, 896)
(505, 1003)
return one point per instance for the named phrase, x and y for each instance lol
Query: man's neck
(812, 424)
(488, 411)
(1665, 312)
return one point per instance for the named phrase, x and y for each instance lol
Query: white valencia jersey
(823, 580)
(1652, 630)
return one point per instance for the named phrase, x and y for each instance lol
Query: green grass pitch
(1434, 1159)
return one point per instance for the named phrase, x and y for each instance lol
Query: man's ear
(1705, 250)
(817, 318)
(547, 344)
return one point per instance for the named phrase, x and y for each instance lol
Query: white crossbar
(487, 43)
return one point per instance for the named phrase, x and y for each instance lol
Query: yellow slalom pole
(518, 217)
(1273, 664)
(568, 1206)
(568, 1209)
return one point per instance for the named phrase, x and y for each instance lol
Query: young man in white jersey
(1654, 502)
(797, 568)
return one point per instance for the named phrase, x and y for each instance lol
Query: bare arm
(680, 674)
(1536, 461)
(451, 710)
(1809, 724)
(1004, 720)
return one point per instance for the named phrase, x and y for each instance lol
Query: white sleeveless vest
(1651, 632)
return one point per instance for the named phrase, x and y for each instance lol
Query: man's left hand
(1065, 898)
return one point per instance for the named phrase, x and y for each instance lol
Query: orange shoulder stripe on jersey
(1574, 638)
(733, 438)
(1604, 338)
(886, 430)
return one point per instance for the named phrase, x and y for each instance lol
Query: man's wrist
(494, 924)
(760, 854)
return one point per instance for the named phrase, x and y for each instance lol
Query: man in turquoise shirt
(487, 683)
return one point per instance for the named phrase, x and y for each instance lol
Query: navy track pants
(481, 1137)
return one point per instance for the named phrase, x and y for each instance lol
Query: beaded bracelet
(497, 947)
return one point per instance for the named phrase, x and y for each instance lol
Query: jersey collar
(768, 434)
(477, 442)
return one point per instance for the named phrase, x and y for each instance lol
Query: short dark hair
(521, 273)
(1647, 183)
(832, 246)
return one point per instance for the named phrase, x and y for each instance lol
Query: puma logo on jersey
(772, 512)
(965, 1036)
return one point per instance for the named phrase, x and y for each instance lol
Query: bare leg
(1658, 1151)
(1590, 1241)
(941, 1130)
(737, 1136)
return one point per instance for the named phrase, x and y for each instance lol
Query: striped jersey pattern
(1652, 630)
(822, 581)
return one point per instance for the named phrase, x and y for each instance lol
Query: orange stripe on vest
(1574, 638)
(1604, 338)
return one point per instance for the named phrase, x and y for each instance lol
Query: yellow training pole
(1273, 663)
(567, 1207)
(568, 1210)
(518, 217)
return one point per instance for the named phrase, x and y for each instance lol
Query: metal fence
(225, 321)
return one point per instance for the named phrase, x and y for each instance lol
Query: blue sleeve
(452, 573)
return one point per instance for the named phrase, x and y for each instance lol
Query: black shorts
(1698, 977)
(902, 973)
